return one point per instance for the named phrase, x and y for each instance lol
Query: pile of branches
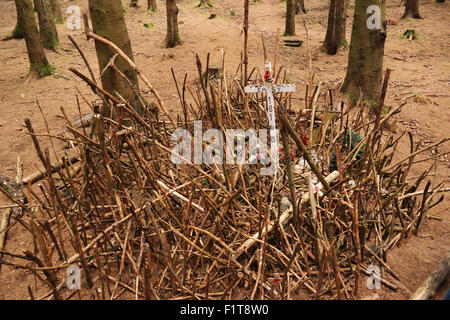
(140, 226)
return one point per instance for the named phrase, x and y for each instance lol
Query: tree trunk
(56, 10)
(290, 18)
(204, 2)
(300, 6)
(47, 26)
(337, 17)
(151, 5)
(412, 9)
(39, 65)
(365, 61)
(18, 32)
(173, 37)
(108, 22)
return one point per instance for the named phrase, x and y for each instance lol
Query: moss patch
(18, 32)
(44, 70)
(51, 44)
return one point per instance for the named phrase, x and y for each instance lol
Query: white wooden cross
(270, 88)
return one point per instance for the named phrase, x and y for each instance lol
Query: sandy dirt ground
(421, 75)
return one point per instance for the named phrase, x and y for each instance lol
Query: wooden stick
(284, 219)
(304, 150)
(38, 175)
(432, 282)
(5, 214)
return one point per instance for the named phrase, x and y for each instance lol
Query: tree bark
(172, 37)
(151, 5)
(365, 61)
(290, 18)
(412, 9)
(18, 32)
(47, 25)
(108, 22)
(39, 65)
(300, 6)
(56, 10)
(337, 17)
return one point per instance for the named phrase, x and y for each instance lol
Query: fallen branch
(4, 226)
(433, 281)
(38, 175)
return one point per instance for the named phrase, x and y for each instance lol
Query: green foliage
(410, 34)
(149, 25)
(352, 140)
(371, 104)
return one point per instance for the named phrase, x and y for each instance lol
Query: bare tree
(365, 61)
(39, 65)
(108, 22)
(18, 31)
(300, 6)
(151, 5)
(290, 18)
(412, 9)
(47, 25)
(172, 37)
(56, 10)
(337, 18)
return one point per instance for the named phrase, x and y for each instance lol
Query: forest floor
(421, 75)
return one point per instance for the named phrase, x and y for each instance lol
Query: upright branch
(245, 62)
